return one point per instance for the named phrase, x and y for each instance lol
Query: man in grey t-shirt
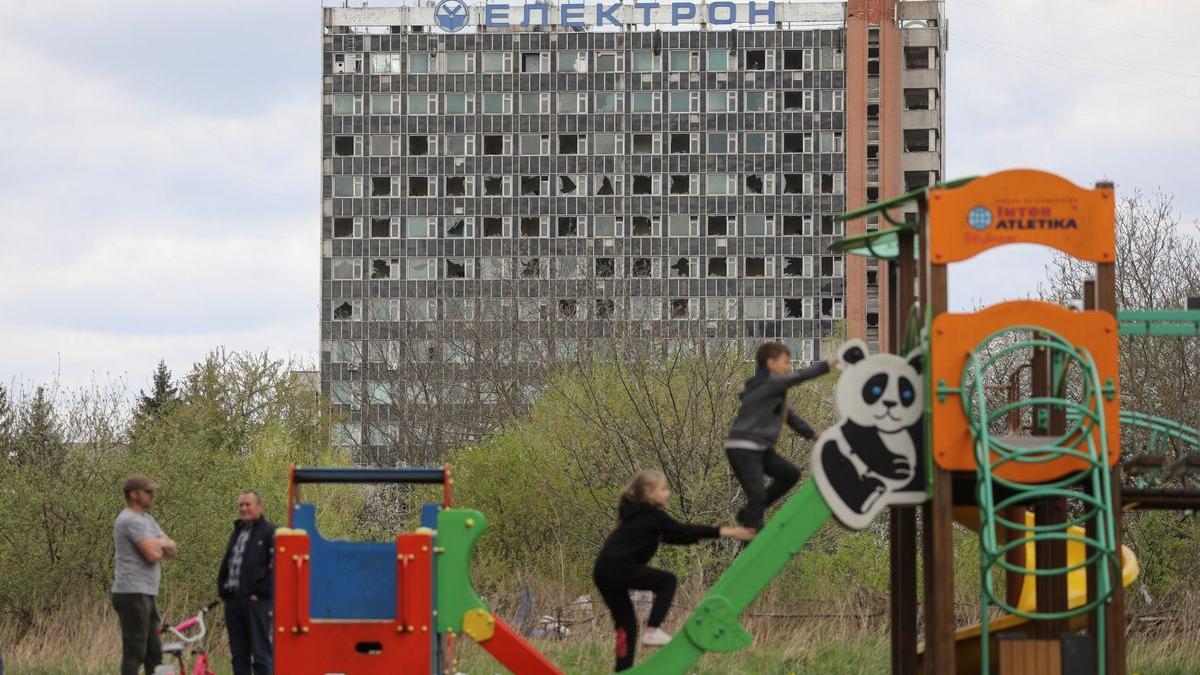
(140, 544)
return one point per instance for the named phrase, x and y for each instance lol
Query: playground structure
(1021, 443)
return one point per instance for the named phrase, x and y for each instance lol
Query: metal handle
(341, 475)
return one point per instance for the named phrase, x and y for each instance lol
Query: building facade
(681, 181)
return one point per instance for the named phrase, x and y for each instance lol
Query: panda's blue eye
(877, 391)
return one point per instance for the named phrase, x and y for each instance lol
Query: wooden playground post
(1106, 301)
(903, 519)
(1051, 590)
(938, 512)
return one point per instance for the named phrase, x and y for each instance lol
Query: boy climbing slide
(758, 426)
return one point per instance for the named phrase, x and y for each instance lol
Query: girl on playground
(622, 563)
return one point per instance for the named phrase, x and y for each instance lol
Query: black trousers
(750, 466)
(249, 623)
(615, 582)
(140, 644)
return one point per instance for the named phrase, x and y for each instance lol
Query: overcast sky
(160, 161)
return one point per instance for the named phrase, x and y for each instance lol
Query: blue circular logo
(979, 217)
(451, 15)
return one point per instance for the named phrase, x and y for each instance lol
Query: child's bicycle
(181, 642)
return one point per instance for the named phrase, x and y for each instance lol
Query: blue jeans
(249, 623)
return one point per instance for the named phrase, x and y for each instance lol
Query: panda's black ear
(851, 352)
(853, 355)
(916, 359)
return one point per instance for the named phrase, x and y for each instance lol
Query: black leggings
(749, 467)
(615, 581)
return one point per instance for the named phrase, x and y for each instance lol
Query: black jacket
(258, 574)
(764, 409)
(641, 528)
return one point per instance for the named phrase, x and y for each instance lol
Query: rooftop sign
(452, 16)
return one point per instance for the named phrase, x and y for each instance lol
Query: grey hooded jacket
(764, 409)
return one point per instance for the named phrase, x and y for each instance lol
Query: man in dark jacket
(246, 584)
(750, 444)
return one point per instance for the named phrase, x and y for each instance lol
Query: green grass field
(856, 655)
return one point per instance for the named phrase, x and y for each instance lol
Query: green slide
(714, 626)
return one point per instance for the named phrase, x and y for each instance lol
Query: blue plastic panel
(349, 580)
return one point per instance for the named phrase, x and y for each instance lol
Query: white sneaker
(655, 637)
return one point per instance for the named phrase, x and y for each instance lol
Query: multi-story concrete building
(683, 181)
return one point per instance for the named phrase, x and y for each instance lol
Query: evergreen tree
(164, 394)
(38, 439)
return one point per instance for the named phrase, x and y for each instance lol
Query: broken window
(796, 101)
(458, 227)
(418, 186)
(681, 308)
(381, 186)
(346, 227)
(754, 184)
(793, 308)
(493, 144)
(681, 144)
(568, 226)
(494, 226)
(645, 226)
(794, 226)
(532, 185)
(830, 226)
(829, 183)
(793, 59)
(642, 267)
(531, 268)
(605, 186)
(418, 146)
(756, 267)
(681, 184)
(681, 268)
(385, 268)
(531, 226)
(605, 308)
(568, 144)
(643, 144)
(346, 146)
(756, 59)
(345, 311)
(793, 183)
(872, 319)
(872, 277)
(606, 268)
(456, 186)
(531, 62)
(493, 186)
(718, 226)
(566, 185)
(643, 185)
(793, 266)
(568, 309)
(456, 268)
(718, 267)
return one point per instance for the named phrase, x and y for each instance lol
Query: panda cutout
(874, 456)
